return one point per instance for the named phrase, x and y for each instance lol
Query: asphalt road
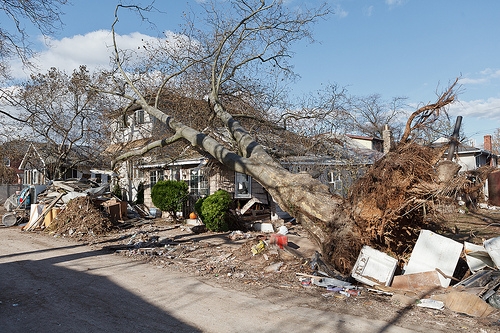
(54, 285)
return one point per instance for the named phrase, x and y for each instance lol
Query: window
(70, 173)
(335, 181)
(175, 173)
(139, 117)
(154, 177)
(242, 185)
(198, 183)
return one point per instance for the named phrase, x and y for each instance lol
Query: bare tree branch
(428, 114)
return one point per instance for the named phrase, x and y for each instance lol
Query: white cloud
(93, 49)
(484, 76)
(340, 12)
(487, 110)
(394, 3)
(468, 80)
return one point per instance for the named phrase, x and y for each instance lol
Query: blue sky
(410, 48)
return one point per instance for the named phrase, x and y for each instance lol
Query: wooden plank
(465, 302)
(417, 281)
(40, 218)
(249, 205)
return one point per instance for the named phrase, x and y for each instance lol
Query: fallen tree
(381, 207)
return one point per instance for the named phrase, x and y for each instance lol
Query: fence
(8, 190)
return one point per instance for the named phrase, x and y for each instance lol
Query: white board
(433, 251)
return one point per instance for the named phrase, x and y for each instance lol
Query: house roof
(367, 138)
(462, 149)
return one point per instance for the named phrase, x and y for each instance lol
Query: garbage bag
(11, 203)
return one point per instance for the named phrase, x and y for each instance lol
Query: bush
(169, 195)
(213, 210)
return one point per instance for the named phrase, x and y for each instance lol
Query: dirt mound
(81, 218)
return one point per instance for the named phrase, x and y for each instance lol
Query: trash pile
(400, 196)
(80, 217)
(75, 208)
(426, 278)
(433, 277)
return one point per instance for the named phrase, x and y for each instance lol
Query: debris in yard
(417, 281)
(238, 234)
(37, 219)
(430, 303)
(477, 257)
(263, 227)
(434, 252)
(80, 218)
(278, 239)
(258, 248)
(9, 219)
(492, 246)
(494, 300)
(283, 230)
(374, 267)
(319, 266)
(273, 267)
(465, 302)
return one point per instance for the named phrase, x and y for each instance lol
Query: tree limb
(427, 114)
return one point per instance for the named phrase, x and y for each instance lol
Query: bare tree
(316, 113)
(248, 41)
(45, 15)
(61, 113)
(369, 115)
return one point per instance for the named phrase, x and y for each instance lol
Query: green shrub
(213, 210)
(169, 195)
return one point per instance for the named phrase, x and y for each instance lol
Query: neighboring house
(39, 166)
(204, 175)
(10, 178)
(367, 142)
(344, 163)
(471, 158)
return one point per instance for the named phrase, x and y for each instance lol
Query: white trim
(183, 162)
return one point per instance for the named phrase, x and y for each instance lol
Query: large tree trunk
(322, 214)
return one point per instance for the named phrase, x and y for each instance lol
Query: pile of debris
(434, 264)
(81, 217)
(440, 273)
(75, 208)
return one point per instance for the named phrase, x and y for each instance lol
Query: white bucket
(9, 219)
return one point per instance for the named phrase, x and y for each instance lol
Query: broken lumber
(34, 224)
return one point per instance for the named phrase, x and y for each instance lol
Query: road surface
(55, 285)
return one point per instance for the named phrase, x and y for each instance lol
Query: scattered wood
(36, 224)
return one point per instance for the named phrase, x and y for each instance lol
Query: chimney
(387, 137)
(487, 143)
